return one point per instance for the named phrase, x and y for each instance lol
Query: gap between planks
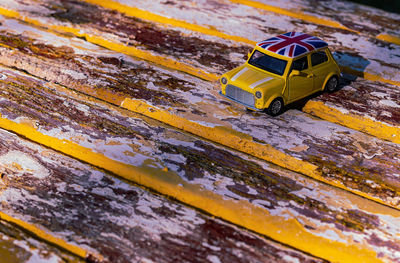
(308, 18)
(357, 122)
(62, 144)
(378, 129)
(224, 136)
(241, 213)
(149, 16)
(248, 146)
(146, 55)
(50, 239)
(168, 183)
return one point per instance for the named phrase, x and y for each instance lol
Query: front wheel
(275, 107)
(332, 84)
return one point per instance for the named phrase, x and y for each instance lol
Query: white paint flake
(378, 94)
(23, 163)
(74, 74)
(213, 259)
(35, 254)
(204, 244)
(290, 259)
(389, 103)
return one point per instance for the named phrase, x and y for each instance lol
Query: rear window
(318, 57)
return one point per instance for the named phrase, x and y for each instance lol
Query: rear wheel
(275, 108)
(332, 84)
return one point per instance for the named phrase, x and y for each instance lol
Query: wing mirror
(295, 73)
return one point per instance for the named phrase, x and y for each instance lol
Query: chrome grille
(240, 95)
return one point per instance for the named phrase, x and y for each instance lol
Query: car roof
(292, 44)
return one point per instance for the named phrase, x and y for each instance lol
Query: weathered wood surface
(106, 216)
(215, 55)
(370, 107)
(119, 221)
(360, 18)
(124, 137)
(17, 246)
(353, 51)
(209, 53)
(356, 161)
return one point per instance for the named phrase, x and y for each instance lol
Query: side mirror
(295, 73)
(248, 55)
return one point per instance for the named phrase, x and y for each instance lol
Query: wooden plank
(17, 246)
(352, 16)
(219, 61)
(370, 121)
(284, 206)
(353, 55)
(361, 163)
(356, 53)
(287, 207)
(107, 216)
(370, 107)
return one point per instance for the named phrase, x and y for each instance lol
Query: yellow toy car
(281, 70)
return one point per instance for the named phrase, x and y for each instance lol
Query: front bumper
(241, 103)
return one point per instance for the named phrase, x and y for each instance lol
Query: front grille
(240, 95)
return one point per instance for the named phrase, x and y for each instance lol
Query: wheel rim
(276, 107)
(332, 84)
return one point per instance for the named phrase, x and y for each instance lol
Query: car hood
(248, 78)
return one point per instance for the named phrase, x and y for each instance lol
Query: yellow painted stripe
(389, 38)
(241, 213)
(163, 61)
(222, 135)
(310, 18)
(248, 146)
(129, 50)
(146, 15)
(367, 76)
(297, 14)
(48, 238)
(360, 123)
(241, 142)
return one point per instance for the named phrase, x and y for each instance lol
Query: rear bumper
(247, 106)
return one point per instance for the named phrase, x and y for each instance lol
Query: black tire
(332, 84)
(276, 107)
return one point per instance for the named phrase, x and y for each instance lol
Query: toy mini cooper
(281, 70)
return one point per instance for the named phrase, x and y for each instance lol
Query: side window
(300, 64)
(318, 58)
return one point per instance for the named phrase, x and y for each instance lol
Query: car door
(300, 85)
(320, 68)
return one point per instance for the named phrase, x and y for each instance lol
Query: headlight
(224, 80)
(258, 94)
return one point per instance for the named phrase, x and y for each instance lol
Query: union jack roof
(292, 44)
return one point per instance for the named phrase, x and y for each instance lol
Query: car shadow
(351, 61)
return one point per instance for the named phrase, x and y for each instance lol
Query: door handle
(311, 75)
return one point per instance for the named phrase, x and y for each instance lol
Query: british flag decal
(292, 44)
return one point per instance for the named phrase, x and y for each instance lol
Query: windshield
(268, 63)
